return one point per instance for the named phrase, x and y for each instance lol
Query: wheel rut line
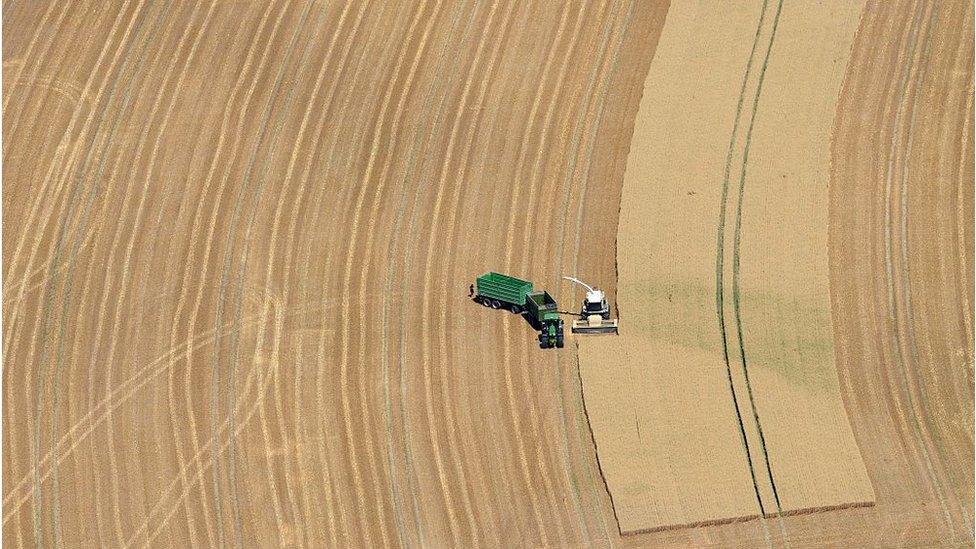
(426, 343)
(43, 319)
(510, 236)
(123, 44)
(322, 454)
(410, 167)
(28, 52)
(720, 254)
(215, 370)
(171, 377)
(351, 249)
(303, 472)
(136, 222)
(88, 240)
(328, 101)
(262, 385)
(66, 90)
(192, 245)
(298, 515)
(904, 348)
(278, 326)
(46, 282)
(534, 180)
(123, 283)
(346, 203)
(35, 204)
(272, 100)
(41, 59)
(271, 303)
(118, 397)
(70, 264)
(736, 305)
(11, 332)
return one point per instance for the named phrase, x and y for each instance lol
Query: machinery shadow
(536, 326)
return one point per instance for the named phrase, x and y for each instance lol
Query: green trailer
(499, 291)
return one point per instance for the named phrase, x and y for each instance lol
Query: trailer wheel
(515, 309)
(484, 301)
(495, 304)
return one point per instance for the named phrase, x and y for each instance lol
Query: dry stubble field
(238, 239)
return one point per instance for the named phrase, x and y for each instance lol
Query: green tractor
(499, 291)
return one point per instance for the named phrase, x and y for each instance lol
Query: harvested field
(239, 236)
(238, 243)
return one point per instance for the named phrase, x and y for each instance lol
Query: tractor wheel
(559, 342)
(495, 304)
(544, 344)
(515, 309)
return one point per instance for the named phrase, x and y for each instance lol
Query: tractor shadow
(536, 326)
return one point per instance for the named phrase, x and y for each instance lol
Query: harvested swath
(919, 97)
(219, 394)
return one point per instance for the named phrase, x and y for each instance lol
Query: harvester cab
(594, 312)
(595, 302)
